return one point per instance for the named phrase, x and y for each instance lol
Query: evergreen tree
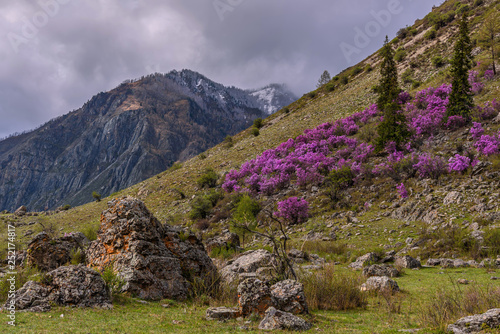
(324, 79)
(393, 127)
(461, 101)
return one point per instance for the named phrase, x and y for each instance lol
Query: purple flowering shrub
(429, 166)
(476, 85)
(477, 130)
(426, 112)
(489, 111)
(488, 145)
(403, 193)
(459, 163)
(293, 210)
(455, 122)
(489, 75)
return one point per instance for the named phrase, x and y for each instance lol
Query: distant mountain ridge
(121, 137)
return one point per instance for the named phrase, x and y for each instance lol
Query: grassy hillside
(384, 224)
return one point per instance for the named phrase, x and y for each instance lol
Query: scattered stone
(364, 260)
(254, 297)
(48, 254)
(289, 297)
(276, 320)
(66, 286)
(463, 281)
(407, 262)
(380, 270)
(152, 259)
(459, 263)
(222, 313)
(477, 323)
(248, 262)
(380, 283)
(227, 241)
(494, 278)
(21, 211)
(452, 197)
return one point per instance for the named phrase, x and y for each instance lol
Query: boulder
(254, 296)
(278, 320)
(289, 297)
(152, 259)
(364, 260)
(222, 313)
(407, 262)
(66, 286)
(226, 241)
(48, 254)
(380, 270)
(247, 263)
(21, 211)
(476, 323)
(380, 283)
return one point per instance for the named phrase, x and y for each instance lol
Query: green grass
(129, 316)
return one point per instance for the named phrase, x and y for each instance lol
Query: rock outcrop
(151, 258)
(66, 286)
(48, 254)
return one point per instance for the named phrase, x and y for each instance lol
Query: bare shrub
(330, 290)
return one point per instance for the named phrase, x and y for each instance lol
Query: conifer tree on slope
(393, 127)
(461, 101)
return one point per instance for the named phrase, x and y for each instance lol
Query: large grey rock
(364, 260)
(278, 320)
(48, 254)
(477, 323)
(290, 297)
(254, 296)
(380, 270)
(66, 286)
(151, 258)
(247, 263)
(407, 262)
(380, 283)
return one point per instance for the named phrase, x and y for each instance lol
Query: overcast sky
(56, 54)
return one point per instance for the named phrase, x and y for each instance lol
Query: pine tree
(393, 127)
(461, 101)
(324, 79)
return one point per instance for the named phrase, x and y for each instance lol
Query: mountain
(124, 136)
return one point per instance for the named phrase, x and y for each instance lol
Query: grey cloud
(92, 46)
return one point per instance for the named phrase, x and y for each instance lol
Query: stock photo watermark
(31, 26)
(223, 7)
(363, 36)
(11, 275)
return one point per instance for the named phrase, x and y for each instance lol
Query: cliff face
(120, 138)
